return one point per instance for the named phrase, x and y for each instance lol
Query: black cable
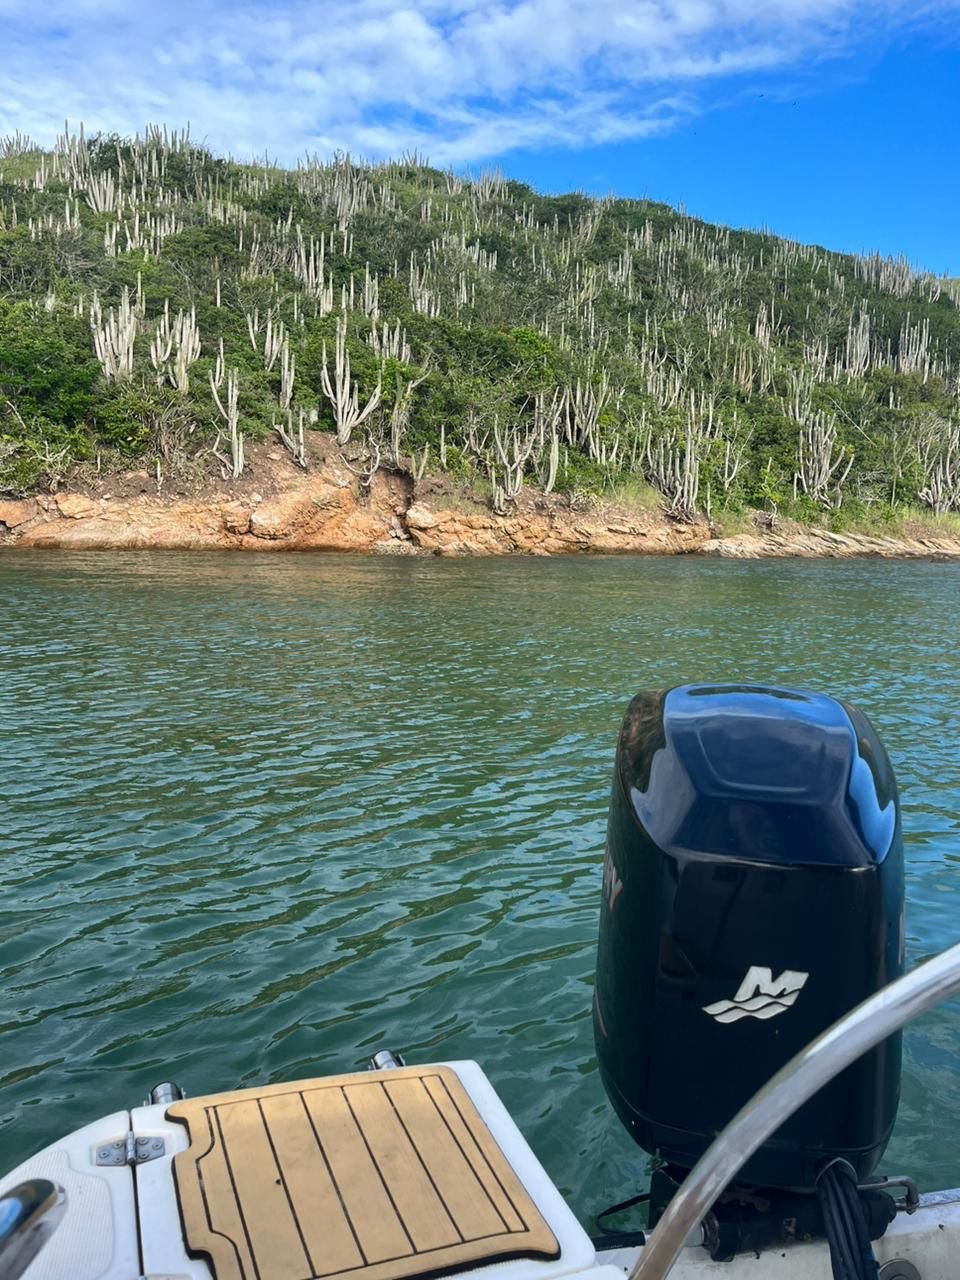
(845, 1223)
(614, 1238)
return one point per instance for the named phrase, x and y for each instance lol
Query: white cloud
(460, 80)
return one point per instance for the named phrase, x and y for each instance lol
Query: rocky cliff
(279, 508)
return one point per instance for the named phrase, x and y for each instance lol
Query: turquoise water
(260, 816)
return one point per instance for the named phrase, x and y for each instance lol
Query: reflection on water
(262, 816)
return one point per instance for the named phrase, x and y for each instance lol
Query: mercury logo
(760, 995)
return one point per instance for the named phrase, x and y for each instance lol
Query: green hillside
(161, 306)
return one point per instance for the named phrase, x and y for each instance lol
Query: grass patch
(460, 503)
(880, 520)
(635, 494)
(917, 523)
(734, 524)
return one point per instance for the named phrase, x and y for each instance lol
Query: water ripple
(263, 816)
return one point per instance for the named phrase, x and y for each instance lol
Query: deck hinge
(129, 1150)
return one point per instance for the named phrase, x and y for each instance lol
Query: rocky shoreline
(325, 510)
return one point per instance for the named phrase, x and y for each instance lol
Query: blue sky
(835, 121)
(863, 155)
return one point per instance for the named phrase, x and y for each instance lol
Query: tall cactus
(342, 391)
(114, 336)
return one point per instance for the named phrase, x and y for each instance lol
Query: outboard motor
(752, 895)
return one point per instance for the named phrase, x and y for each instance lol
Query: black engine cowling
(752, 895)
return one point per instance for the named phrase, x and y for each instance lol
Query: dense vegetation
(162, 305)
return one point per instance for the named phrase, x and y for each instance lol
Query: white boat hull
(123, 1221)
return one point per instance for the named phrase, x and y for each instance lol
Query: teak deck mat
(380, 1176)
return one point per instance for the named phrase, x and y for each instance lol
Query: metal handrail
(29, 1214)
(832, 1052)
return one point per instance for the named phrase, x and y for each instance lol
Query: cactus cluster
(463, 322)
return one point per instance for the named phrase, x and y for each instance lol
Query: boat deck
(389, 1176)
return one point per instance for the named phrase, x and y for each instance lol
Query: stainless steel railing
(812, 1068)
(29, 1214)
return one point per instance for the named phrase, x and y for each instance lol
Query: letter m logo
(760, 995)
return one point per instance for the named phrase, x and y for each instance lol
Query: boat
(750, 965)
